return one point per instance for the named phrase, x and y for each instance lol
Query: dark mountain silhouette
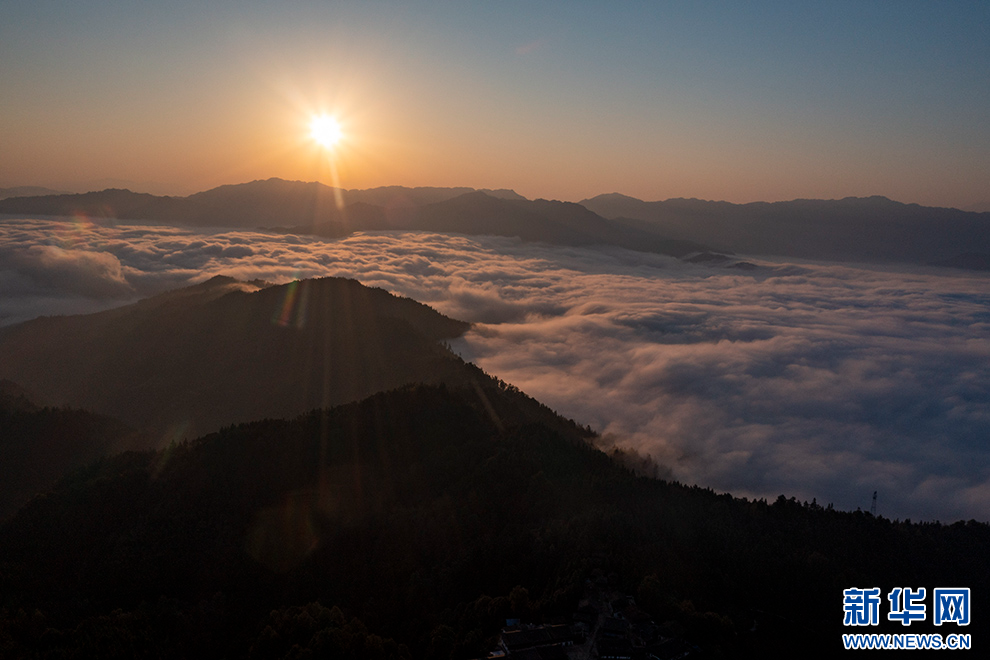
(429, 522)
(561, 223)
(247, 205)
(479, 213)
(111, 204)
(272, 202)
(872, 229)
(39, 445)
(401, 196)
(313, 208)
(192, 360)
(276, 202)
(28, 191)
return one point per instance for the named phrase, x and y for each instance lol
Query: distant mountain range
(28, 191)
(254, 204)
(297, 207)
(872, 229)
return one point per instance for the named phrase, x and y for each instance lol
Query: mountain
(224, 351)
(27, 191)
(39, 445)
(313, 208)
(388, 501)
(401, 196)
(416, 523)
(872, 229)
(559, 223)
(295, 203)
(153, 187)
(248, 205)
(111, 203)
(272, 202)
(192, 360)
(479, 213)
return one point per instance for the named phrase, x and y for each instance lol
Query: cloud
(815, 380)
(91, 274)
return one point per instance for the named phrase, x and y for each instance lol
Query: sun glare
(325, 130)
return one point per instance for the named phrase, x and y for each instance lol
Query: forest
(413, 524)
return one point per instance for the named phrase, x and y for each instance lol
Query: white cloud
(814, 380)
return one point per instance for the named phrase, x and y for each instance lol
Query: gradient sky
(738, 101)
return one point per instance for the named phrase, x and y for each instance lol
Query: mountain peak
(611, 197)
(268, 350)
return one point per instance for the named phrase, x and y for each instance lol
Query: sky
(739, 101)
(812, 380)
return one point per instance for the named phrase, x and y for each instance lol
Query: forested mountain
(38, 445)
(431, 521)
(189, 361)
(872, 229)
(363, 521)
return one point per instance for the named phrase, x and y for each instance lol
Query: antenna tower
(873, 507)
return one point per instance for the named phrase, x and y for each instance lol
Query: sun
(325, 130)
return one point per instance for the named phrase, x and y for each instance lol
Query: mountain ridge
(28, 191)
(417, 512)
(866, 229)
(225, 351)
(314, 208)
(871, 229)
(307, 201)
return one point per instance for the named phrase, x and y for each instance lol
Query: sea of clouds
(813, 380)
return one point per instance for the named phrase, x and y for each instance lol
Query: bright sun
(325, 130)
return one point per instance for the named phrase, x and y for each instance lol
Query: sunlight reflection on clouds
(814, 380)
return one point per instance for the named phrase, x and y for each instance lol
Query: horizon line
(976, 208)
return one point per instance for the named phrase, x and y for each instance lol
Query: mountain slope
(417, 512)
(873, 229)
(40, 445)
(193, 360)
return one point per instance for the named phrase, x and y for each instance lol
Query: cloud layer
(814, 380)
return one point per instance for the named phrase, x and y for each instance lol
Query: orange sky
(742, 105)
